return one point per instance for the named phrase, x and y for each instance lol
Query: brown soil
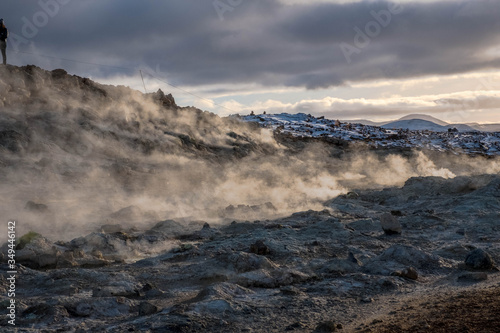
(471, 311)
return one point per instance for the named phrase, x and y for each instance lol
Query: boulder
(26, 239)
(167, 101)
(260, 248)
(146, 309)
(37, 252)
(390, 224)
(207, 232)
(479, 259)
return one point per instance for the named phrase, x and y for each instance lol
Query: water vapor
(86, 155)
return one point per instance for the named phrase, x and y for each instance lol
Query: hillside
(44, 110)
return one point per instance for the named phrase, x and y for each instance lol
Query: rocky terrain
(449, 140)
(363, 257)
(135, 214)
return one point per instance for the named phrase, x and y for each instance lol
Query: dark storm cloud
(266, 42)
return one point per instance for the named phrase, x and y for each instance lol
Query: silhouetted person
(4, 33)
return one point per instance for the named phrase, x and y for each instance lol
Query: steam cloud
(97, 155)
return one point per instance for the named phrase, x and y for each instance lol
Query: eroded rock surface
(310, 271)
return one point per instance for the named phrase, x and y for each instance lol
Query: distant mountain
(420, 125)
(426, 122)
(408, 117)
(415, 125)
(424, 117)
(364, 122)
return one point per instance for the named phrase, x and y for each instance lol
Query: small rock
(146, 309)
(183, 248)
(479, 259)
(82, 309)
(295, 326)
(207, 232)
(96, 253)
(353, 259)
(387, 284)
(423, 324)
(327, 326)
(147, 287)
(114, 291)
(390, 224)
(408, 273)
(59, 73)
(352, 195)
(260, 248)
(396, 213)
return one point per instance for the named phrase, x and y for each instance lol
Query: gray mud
(290, 274)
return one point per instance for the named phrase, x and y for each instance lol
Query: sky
(342, 59)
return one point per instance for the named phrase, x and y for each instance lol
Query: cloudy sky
(342, 59)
